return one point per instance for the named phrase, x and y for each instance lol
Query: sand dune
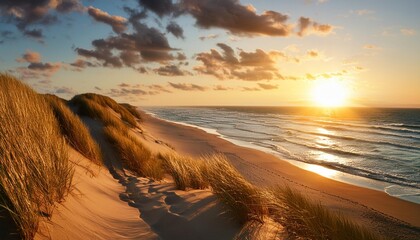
(123, 206)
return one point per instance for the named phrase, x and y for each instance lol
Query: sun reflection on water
(323, 171)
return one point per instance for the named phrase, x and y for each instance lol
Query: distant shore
(366, 206)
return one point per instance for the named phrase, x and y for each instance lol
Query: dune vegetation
(33, 154)
(301, 217)
(29, 186)
(74, 130)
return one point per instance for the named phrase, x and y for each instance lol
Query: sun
(330, 93)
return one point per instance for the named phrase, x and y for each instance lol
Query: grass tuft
(75, 131)
(245, 201)
(34, 169)
(134, 155)
(304, 219)
(186, 172)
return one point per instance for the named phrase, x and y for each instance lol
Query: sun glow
(329, 93)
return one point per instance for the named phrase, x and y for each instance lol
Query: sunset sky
(215, 52)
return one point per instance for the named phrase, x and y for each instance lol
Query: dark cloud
(160, 7)
(267, 86)
(44, 67)
(36, 69)
(210, 36)
(25, 13)
(145, 44)
(236, 18)
(250, 66)
(187, 86)
(307, 26)
(102, 54)
(66, 6)
(170, 70)
(118, 24)
(175, 29)
(65, 91)
(30, 57)
(81, 64)
(34, 33)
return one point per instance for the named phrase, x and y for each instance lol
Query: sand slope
(112, 203)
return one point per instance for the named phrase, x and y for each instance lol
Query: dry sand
(112, 203)
(385, 214)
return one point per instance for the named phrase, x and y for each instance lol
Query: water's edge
(390, 189)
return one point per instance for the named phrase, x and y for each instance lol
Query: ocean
(372, 147)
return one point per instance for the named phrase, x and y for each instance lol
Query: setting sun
(329, 93)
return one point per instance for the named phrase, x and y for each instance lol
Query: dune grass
(90, 108)
(75, 131)
(104, 101)
(185, 171)
(244, 200)
(34, 169)
(132, 110)
(303, 218)
(133, 154)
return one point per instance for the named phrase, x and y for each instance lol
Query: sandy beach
(374, 209)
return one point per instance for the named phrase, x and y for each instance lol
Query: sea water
(372, 147)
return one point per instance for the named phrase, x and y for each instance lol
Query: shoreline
(366, 206)
(344, 177)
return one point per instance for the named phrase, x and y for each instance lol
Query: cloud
(251, 89)
(266, 86)
(187, 86)
(26, 13)
(170, 70)
(118, 24)
(80, 64)
(34, 33)
(408, 31)
(65, 91)
(36, 69)
(236, 18)
(129, 90)
(143, 45)
(307, 26)
(312, 53)
(249, 66)
(30, 57)
(210, 36)
(45, 67)
(221, 88)
(160, 8)
(175, 29)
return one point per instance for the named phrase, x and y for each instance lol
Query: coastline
(365, 206)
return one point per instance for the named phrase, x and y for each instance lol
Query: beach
(374, 209)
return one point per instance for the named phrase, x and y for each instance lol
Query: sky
(216, 52)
